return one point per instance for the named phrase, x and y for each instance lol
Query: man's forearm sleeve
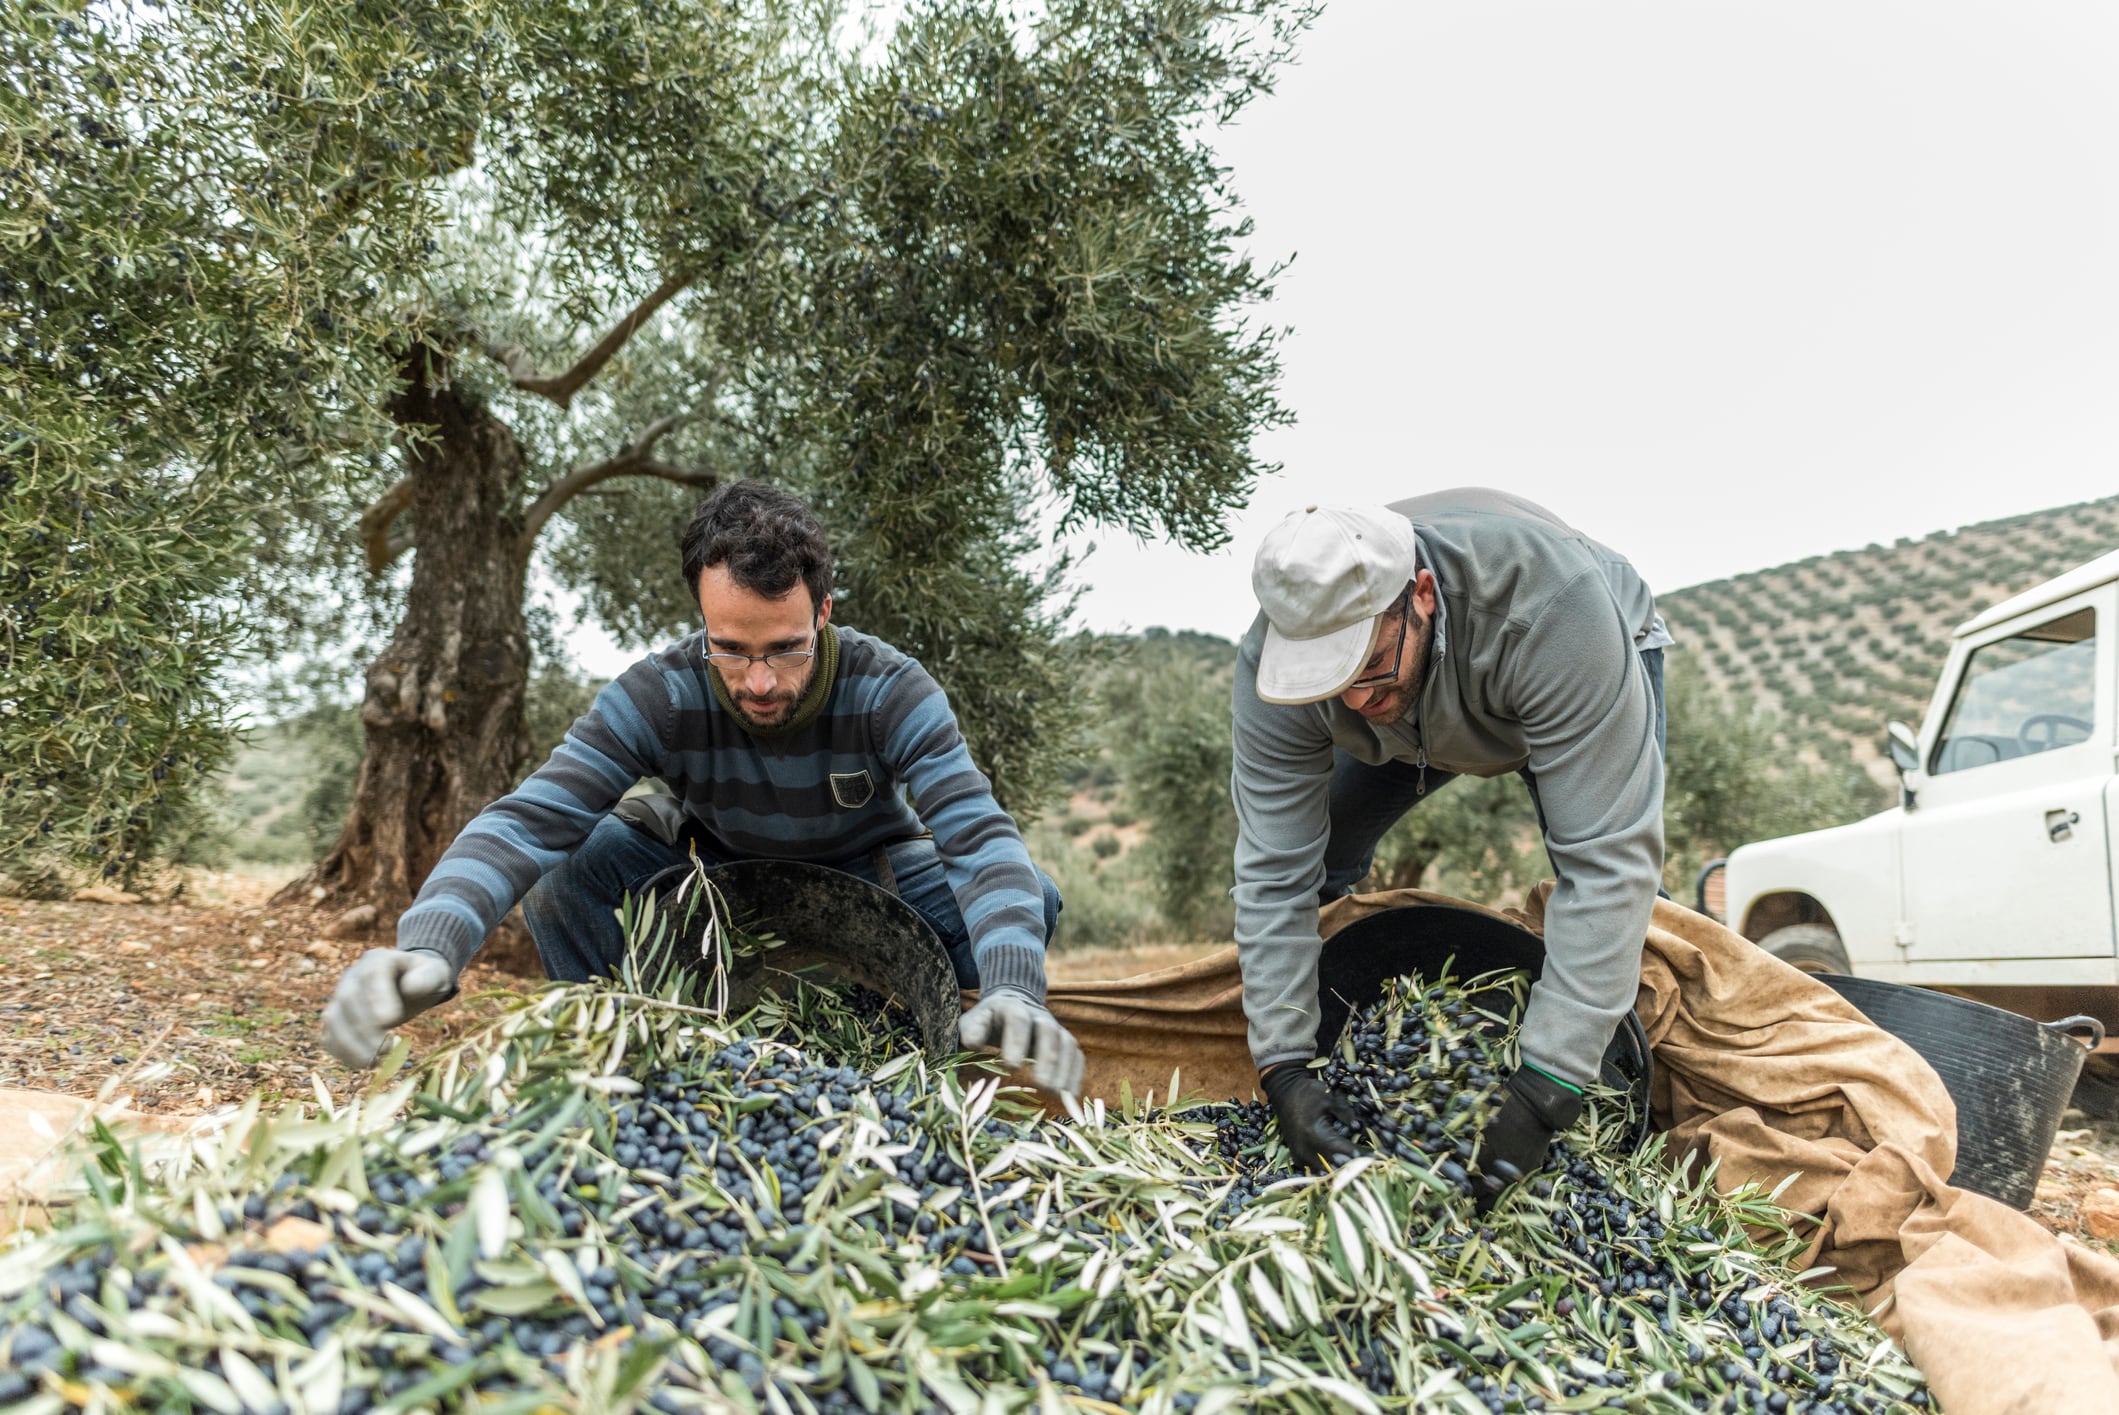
(1280, 782)
(983, 856)
(509, 845)
(1589, 717)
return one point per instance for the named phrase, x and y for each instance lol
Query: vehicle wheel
(2097, 1090)
(1814, 948)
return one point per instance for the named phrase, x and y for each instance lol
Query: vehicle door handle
(2060, 825)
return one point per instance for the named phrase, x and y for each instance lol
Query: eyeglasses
(780, 662)
(1399, 606)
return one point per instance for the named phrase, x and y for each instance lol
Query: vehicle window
(2029, 693)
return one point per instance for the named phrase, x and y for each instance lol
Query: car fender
(1847, 876)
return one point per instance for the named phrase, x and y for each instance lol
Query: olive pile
(1418, 1069)
(1422, 1070)
(612, 1201)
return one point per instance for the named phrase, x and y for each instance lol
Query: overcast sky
(1723, 284)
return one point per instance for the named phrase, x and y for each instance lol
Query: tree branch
(561, 388)
(736, 424)
(631, 461)
(375, 526)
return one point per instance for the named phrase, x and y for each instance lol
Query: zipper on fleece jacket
(1427, 673)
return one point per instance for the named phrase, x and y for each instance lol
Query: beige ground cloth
(36, 1163)
(1770, 1073)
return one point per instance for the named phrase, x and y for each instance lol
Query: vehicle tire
(2097, 1090)
(1814, 948)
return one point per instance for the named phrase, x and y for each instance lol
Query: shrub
(1102, 906)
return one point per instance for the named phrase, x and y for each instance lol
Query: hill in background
(1839, 644)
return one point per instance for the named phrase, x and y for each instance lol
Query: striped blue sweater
(831, 791)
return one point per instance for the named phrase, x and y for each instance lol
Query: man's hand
(1535, 1108)
(1020, 1028)
(384, 988)
(1316, 1123)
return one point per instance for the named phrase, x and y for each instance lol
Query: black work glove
(1535, 1108)
(1316, 1124)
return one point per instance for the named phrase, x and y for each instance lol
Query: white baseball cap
(1323, 576)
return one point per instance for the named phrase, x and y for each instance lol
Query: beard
(1394, 705)
(772, 709)
(1394, 708)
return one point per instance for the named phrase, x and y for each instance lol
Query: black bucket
(1420, 940)
(2010, 1076)
(827, 921)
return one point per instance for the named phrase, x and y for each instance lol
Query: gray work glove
(384, 988)
(1020, 1028)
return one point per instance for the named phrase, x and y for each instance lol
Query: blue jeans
(1368, 800)
(573, 918)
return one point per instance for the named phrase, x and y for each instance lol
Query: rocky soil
(184, 1004)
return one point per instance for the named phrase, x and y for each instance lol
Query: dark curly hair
(767, 539)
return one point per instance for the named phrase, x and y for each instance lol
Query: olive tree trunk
(444, 708)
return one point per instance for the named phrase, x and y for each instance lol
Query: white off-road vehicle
(1993, 876)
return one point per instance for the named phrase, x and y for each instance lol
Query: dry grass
(1102, 964)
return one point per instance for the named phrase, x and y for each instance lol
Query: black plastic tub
(1421, 940)
(2010, 1076)
(827, 921)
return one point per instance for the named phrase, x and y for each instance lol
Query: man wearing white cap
(1399, 647)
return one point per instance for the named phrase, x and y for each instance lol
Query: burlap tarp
(1769, 1073)
(37, 1158)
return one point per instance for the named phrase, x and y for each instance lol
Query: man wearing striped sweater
(783, 737)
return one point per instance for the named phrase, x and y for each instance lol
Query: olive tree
(1733, 778)
(194, 231)
(988, 268)
(1168, 699)
(595, 259)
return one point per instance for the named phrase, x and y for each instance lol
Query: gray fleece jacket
(1534, 664)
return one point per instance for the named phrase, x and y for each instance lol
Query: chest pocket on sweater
(852, 789)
